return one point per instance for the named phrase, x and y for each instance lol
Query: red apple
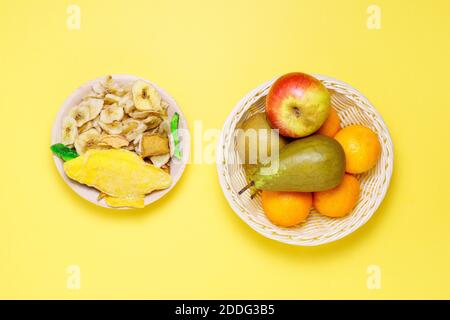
(297, 105)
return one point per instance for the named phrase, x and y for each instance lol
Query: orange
(339, 201)
(331, 125)
(361, 147)
(286, 209)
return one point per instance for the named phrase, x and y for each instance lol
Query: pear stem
(251, 184)
(255, 194)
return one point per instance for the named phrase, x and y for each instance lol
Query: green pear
(257, 142)
(311, 164)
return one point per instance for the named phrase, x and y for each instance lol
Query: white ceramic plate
(176, 166)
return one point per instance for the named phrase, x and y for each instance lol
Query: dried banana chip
(160, 160)
(152, 121)
(111, 113)
(115, 141)
(80, 113)
(133, 128)
(85, 127)
(112, 98)
(146, 97)
(115, 127)
(87, 140)
(139, 114)
(129, 125)
(95, 107)
(164, 127)
(98, 89)
(127, 103)
(69, 131)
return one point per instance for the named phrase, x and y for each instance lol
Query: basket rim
(292, 240)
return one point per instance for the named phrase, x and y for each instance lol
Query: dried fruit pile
(119, 140)
(115, 116)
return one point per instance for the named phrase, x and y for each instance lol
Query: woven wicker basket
(353, 108)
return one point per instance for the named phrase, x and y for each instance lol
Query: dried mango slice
(125, 202)
(120, 174)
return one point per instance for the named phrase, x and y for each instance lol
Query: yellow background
(208, 54)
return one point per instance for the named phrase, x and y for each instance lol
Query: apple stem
(251, 184)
